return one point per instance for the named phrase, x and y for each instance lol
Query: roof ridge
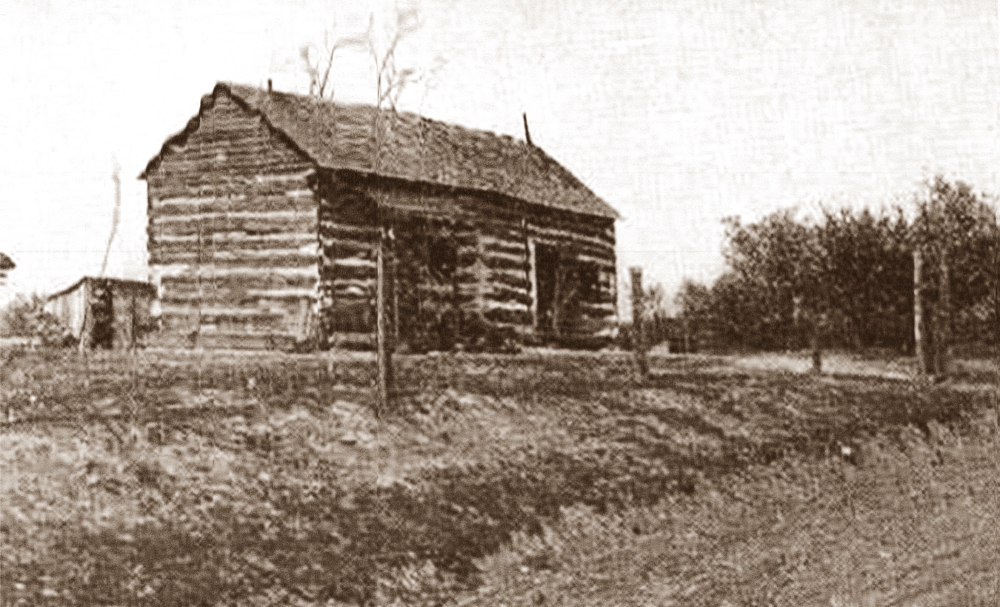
(369, 106)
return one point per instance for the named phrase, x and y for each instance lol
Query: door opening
(546, 275)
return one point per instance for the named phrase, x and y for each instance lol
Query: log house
(264, 212)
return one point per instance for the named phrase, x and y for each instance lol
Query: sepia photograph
(313, 303)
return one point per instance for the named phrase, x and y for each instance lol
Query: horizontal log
(162, 186)
(425, 288)
(513, 248)
(510, 278)
(466, 257)
(329, 282)
(192, 272)
(500, 232)
(352, 293)
(214, 178)
(204, 310)
(469, 277)
(554, 237)
(603, 263)
(193, 293)
(242, 154)
(505, 294)
(249, 226)
(344, 227)
(490, 303)
(501, 261)
(241, 240)
(599, 309)
(178, 324)
(334, 248)
(509, 316)
(600, 227)
(340, 196)
(220, 307)
(280, 258)
(245, 280)
(299, 201)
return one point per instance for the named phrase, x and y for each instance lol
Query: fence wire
(179, 477)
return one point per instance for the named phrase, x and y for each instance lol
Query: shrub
(26, 317)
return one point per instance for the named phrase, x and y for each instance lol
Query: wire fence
(183, 476)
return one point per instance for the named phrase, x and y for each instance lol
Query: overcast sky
(677, 113)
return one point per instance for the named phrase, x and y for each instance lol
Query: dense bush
(26, 317)
(846, 279)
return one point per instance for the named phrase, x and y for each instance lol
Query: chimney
(270, 87)
(527, 134)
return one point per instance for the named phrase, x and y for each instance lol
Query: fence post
(638, 326)
(383, 350)
(942, 336)
(919, 331)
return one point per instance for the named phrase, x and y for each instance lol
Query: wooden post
(557, 297)
(638, 326)
(393, 284)
(687, 336)
(921, 347)
(942, 337)
(996, 295)
(815, 327)
(383, 349)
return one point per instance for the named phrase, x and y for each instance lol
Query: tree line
(846, 279)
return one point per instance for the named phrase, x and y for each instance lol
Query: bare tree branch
(390, 80)
(319, 66)
(116, 214)
(382, 46)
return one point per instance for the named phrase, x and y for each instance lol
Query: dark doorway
(103, 312)
(546, 266)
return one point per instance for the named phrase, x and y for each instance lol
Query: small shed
(108, 313)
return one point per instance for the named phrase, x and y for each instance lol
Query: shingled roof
(341, 137)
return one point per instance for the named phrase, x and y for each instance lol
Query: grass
(171, 478)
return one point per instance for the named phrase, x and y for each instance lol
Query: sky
(677, 113)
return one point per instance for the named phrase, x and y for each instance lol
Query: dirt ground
(546, 478)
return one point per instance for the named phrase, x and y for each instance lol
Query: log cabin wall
(347, 270)
(586, 247)
(233, 230)
(493, 238)
(425, 294)
(254, 219)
